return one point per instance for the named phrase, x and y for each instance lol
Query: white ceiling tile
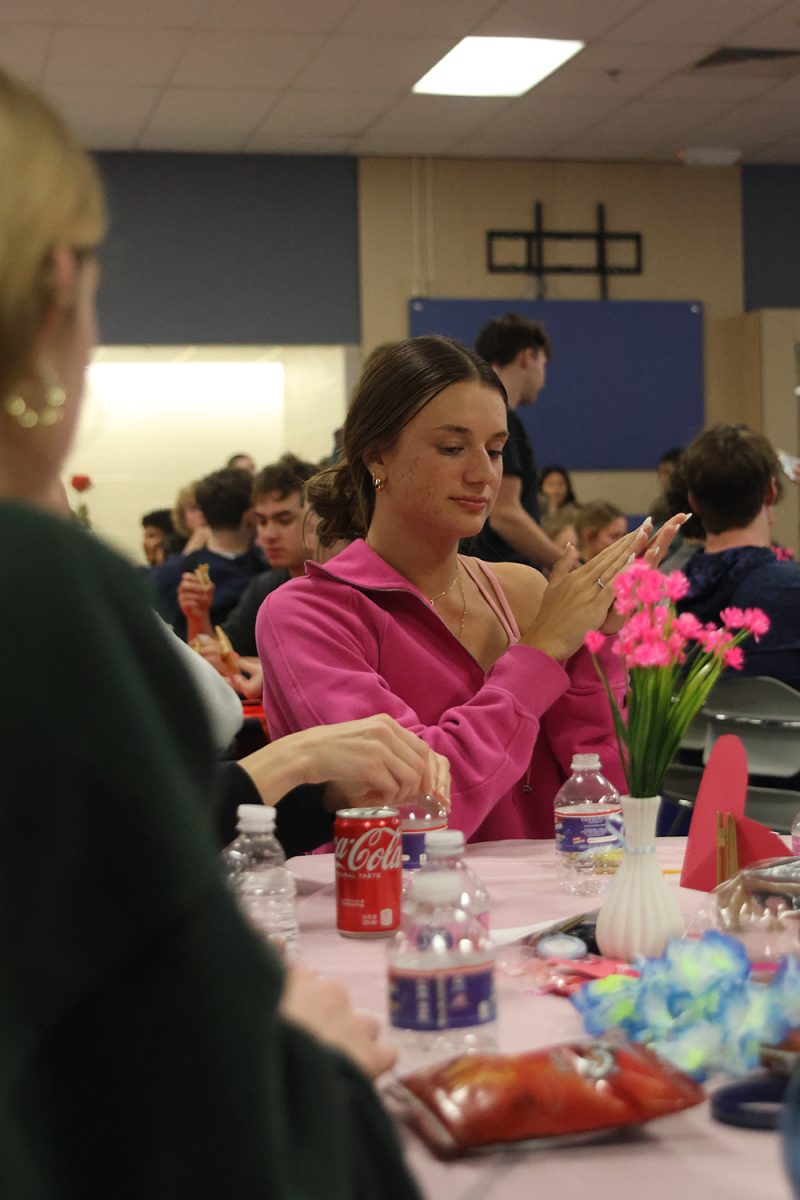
(29, 12)
(713, 84)
(581, 19)
(779, 30)
(204, 119)
(597, 84)
(113, 56)
(523, 144)
(326, 114)
(420, 146)
(660, 57)
(453, 19)
(439, 117)
(23, 50)
(667, 120)
(243, 59)
(750, 126)
(670, 20)
(103, 117)
(548, 120)
(169, 14)
(278, 16)
(786, 150)
(301, 145)
(371, 63)
(596, 146)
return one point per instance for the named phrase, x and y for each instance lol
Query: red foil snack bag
(484, 1101)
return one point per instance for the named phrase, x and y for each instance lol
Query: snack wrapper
(563, 1094)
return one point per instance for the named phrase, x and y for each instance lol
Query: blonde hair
(50, 196)
(186, 498)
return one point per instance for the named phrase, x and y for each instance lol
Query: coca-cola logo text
(378, 849)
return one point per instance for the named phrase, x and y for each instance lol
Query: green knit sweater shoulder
(142, 1055)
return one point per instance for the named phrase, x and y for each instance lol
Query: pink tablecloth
(689, 1155)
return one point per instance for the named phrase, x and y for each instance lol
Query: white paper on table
(502, 937)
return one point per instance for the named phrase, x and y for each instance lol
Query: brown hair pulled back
(395, 386)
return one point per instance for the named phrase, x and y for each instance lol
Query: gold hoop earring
(50, 414)
(378, 483)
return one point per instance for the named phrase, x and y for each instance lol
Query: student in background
(279, 513)
(518, 350)
(598, 525)
(731, 476)
(225, 500)
(158, 533)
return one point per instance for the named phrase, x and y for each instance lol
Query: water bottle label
(582, 832)
(447, 998)
(414, 845)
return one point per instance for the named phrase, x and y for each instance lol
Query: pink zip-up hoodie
(354, 638)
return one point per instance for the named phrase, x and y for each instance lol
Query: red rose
(81, 483)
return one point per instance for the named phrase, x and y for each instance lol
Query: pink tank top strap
(493, 595)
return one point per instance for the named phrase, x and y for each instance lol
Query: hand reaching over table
(366, 762)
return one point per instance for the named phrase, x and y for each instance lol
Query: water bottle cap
(585, 762)
(255, 818)
(444, 842)
(438, 887)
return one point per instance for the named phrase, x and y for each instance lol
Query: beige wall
(422, 232)
(140, 440)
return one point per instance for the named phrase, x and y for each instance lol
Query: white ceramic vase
(640, 912)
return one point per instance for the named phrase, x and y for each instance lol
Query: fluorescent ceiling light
(496, 66)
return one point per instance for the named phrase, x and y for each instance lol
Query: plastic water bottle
(444, 851)
(796, 834)
(417, 819)
(588, 828)
(441, 975)
(257, 874)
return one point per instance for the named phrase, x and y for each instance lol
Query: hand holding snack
(194, 597)
(198, 589)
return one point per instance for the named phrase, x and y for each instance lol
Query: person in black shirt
(519, 351)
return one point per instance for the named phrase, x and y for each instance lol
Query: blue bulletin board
(625, 382)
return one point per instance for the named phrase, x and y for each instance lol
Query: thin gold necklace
(458, 580)
(432, 600)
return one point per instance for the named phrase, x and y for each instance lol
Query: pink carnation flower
(676, 585)
(732, 618)
(714, 641)
(688, 626)
(594, 641)
(650, 588)
(651, 654)
(755, 622)
(733, 658)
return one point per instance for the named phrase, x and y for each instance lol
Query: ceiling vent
(751, 62)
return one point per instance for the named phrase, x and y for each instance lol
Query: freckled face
(443, 473)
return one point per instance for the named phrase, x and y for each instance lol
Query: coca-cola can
(369, 868)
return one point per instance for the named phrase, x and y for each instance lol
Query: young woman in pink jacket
(485, 665)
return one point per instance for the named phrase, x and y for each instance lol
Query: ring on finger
(600, 583)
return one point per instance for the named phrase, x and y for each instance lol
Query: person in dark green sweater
(149, 1046)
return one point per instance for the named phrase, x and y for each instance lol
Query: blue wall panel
(230, 248)
(625, 383)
